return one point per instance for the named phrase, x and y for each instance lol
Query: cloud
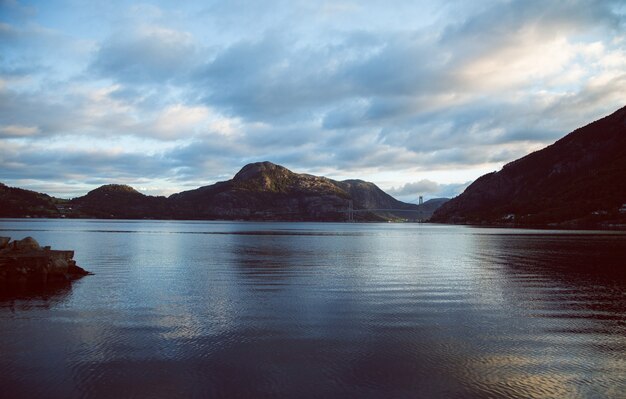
(175, 119)
(428, 189)
(197, 91)
(107, 111)
(396, 81)
(12, 8)
(422, 186)
(147, 54)
(21, 161)
(266, 80)
(18, 131)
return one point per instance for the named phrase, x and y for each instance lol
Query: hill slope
(266, 191)
(579, 181)
(259, 191)
(120, 202)
(16, 202)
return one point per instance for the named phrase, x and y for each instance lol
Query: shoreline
(618, 228)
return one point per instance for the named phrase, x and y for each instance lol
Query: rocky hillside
(259, 191)
(368, 196)
(266, 191)
(579, 181)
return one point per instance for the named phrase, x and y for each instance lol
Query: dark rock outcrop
(579, 181)
(25, 261)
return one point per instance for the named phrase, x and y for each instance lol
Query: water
(213, 309)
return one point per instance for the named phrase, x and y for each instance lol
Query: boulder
(26, 244)
(4, 242)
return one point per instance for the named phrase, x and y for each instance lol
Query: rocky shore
(25, 261)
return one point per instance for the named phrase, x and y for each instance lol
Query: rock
(56, 254)
(26, 261)
(4, 242)
(76, 271)
(26, 244)
(58, 266)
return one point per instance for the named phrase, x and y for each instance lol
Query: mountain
(259, 191)
(17, 202)
(579, 181)
(118, 201)
(367, 195)
(266, 191)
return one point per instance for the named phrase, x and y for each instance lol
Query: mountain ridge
(280, 194)
(258, 191)
(578, 181)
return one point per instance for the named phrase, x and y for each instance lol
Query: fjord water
(220, 309)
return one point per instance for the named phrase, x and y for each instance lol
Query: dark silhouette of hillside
(259, 191)
(266, 191)
(17, 202)
(120, 202)
(579, 181)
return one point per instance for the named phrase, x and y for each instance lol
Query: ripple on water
(320, 310)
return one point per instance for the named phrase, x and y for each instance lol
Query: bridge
(351, 211)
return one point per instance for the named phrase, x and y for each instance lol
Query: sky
(420, 97)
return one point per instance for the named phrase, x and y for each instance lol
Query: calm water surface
(251, 310)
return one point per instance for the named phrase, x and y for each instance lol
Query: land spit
(25, 261)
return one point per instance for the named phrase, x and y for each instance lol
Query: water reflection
(320, 310)
(567, 304)
(28, 294)
(263, 261)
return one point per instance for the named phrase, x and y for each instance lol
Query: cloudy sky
(416, 96)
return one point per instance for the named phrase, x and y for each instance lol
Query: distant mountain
(266, 191)
(367, 195)
(579, 181)
(16, 202)
(259, 191)
(120, 202)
